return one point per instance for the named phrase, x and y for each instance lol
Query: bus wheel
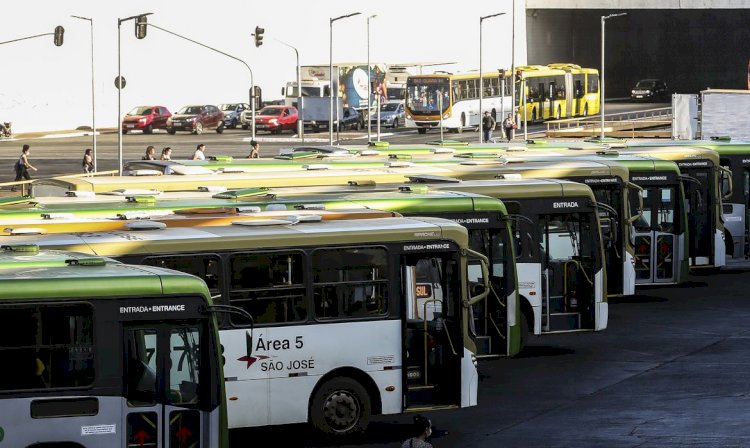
(422, 130)
(340, 407)
(524, 332)
(534, 116)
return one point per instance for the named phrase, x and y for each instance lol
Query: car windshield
(141, 110)
(189, 110)
(274, 111)
(225, 107)
(646, 83)
(391, 107)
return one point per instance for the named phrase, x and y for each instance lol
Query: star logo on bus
(249, 358)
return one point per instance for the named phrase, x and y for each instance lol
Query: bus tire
(340, 407)
(421, 130)
(534, 116)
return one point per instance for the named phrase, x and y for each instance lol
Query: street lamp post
(120, 85)
(330, 73)
(601, 87)
(369, 85)
(481, 78)
(93, 102)
(300, 118)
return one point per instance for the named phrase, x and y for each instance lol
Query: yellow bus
(556, 91)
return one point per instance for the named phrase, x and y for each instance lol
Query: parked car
(392, 115)
(196, 119)
(233, 113)
(146, 119)
(276, 119)
(650, 90)
(352, 119)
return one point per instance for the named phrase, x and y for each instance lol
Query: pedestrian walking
(88, 162)
(488, 125)
(23, 166)
(508, 126)
(199, 153)
(166, 154)
(150, 153)
(254, 150)
(422, 432)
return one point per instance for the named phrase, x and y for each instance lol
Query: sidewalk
(58, 134)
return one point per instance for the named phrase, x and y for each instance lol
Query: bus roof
(64, 275)
(527, 189)
(463, 170)
(324, 233)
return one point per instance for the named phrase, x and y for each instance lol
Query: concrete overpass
(691, 44)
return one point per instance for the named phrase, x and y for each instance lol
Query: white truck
(349, 83)
(711, 113)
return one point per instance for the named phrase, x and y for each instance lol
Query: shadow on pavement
(538, 351)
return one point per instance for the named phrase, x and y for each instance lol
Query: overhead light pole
(601, 87)
(120, 85)
(93, 102)
(481, 78)
(330, 73)
(300, 124)
(369, 84)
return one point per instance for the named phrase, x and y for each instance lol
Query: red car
(276, 119)
(146, 119)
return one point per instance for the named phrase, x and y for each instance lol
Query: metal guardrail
(24, 187)
(649, 122)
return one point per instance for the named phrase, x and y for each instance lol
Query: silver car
(391, 115)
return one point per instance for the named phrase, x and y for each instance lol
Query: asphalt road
(670, 371)
(62, 155)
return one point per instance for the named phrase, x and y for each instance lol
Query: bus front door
(567, 290)
(433, 342)
(654, 238)
(167, 387)
(701, 215)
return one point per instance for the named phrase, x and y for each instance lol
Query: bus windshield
(425, 94)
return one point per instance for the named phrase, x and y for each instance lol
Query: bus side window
(350, 282)
(270, 286)
(46, 346)
(205, 266)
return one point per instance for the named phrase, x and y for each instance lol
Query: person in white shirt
(199, 152)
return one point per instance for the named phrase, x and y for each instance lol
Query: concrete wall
(689, 49)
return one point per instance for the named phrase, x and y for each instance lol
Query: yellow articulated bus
(557, 91)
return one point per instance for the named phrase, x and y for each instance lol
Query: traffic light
(140, 26)
(258, 97)
(258, 36)
(59, 31)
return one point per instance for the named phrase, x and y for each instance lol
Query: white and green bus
(353, 318)
(101, 354)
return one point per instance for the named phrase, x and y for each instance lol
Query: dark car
(146, 119)
(196, 119)
(352, 119)
(232, 113)
(650, 90)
